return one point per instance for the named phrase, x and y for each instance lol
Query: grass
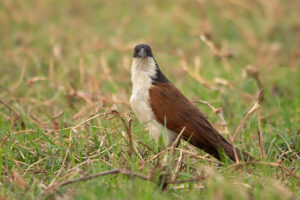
(65, 65)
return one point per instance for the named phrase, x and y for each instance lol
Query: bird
(165, 110)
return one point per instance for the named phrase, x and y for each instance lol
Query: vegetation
(65, 86)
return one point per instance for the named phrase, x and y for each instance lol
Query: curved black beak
(142, 53)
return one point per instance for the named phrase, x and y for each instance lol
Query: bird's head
(142, 51)
(143, 60)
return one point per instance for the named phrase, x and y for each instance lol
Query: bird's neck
(141, 72)
(146, 71)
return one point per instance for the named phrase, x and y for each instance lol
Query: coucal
(157, 102)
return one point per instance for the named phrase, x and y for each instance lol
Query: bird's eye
(136, 51)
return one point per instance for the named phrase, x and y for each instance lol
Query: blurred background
(88, 44)
(65, 58)
(71, 53)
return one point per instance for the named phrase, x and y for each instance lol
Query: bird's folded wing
(173, 109)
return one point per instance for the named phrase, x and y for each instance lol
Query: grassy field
(65, 87)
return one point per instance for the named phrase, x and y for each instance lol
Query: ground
(65, 87)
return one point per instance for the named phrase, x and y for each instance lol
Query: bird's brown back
(174, 110)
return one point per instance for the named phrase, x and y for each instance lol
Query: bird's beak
(142, 53)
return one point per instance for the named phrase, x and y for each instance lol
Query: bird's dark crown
(142, 51)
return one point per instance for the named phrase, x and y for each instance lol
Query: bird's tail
(230, 151)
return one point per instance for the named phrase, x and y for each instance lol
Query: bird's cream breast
(140, 105)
